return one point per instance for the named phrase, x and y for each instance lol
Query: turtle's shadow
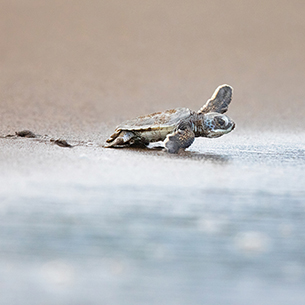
(190, 155)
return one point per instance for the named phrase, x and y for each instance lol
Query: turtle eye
(221, 121)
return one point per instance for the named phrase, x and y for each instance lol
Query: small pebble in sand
(26, 134)
(61, 143)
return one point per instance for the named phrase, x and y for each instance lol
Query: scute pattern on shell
(156, 120)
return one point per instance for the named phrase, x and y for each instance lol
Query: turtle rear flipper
(122, 139)
(182, 138)
(220, 100)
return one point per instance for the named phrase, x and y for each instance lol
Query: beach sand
(221, 223)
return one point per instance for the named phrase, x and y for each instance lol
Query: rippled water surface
(220, 224)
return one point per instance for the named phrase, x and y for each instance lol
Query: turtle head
(216, 124)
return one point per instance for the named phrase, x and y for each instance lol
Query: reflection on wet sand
(191, 155)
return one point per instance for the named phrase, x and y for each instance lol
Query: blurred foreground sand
(71, 66)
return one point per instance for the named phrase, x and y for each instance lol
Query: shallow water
(220, 224)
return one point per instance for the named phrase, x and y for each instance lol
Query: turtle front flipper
(182, 138)
(220, 100)
(122, 138)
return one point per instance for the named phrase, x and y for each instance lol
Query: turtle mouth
(220, 132)
(230, 128)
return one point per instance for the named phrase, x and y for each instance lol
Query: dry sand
(219, 224)
(69, 65)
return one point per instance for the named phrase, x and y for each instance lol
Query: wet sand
(221, 223)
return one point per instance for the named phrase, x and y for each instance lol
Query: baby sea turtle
(178, 127)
